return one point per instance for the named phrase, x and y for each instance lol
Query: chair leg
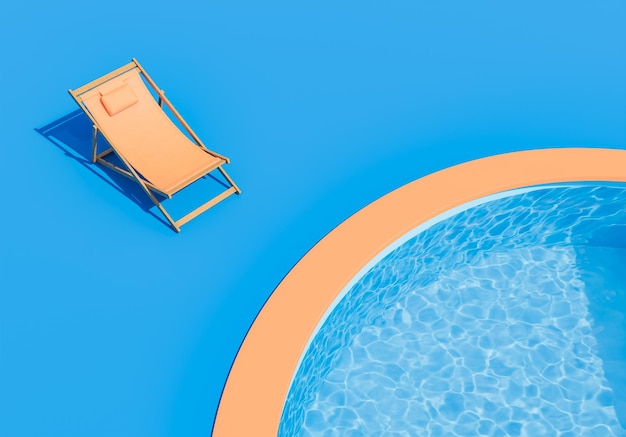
(229, 179)
(94, 143)
(165, 213)
(158, 204)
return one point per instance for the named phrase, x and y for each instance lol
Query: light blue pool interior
(507, 318)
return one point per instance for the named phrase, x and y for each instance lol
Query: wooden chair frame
(130, 172)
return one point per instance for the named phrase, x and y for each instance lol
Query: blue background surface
(112, 324)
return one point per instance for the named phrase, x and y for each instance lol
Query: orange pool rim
(257, 386)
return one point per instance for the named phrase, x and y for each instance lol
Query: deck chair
(154, 151)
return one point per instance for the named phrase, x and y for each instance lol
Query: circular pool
(259, 381)
(503, 317)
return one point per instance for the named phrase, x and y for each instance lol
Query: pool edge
(254, 394)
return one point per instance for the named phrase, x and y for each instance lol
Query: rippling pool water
(507, 318)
